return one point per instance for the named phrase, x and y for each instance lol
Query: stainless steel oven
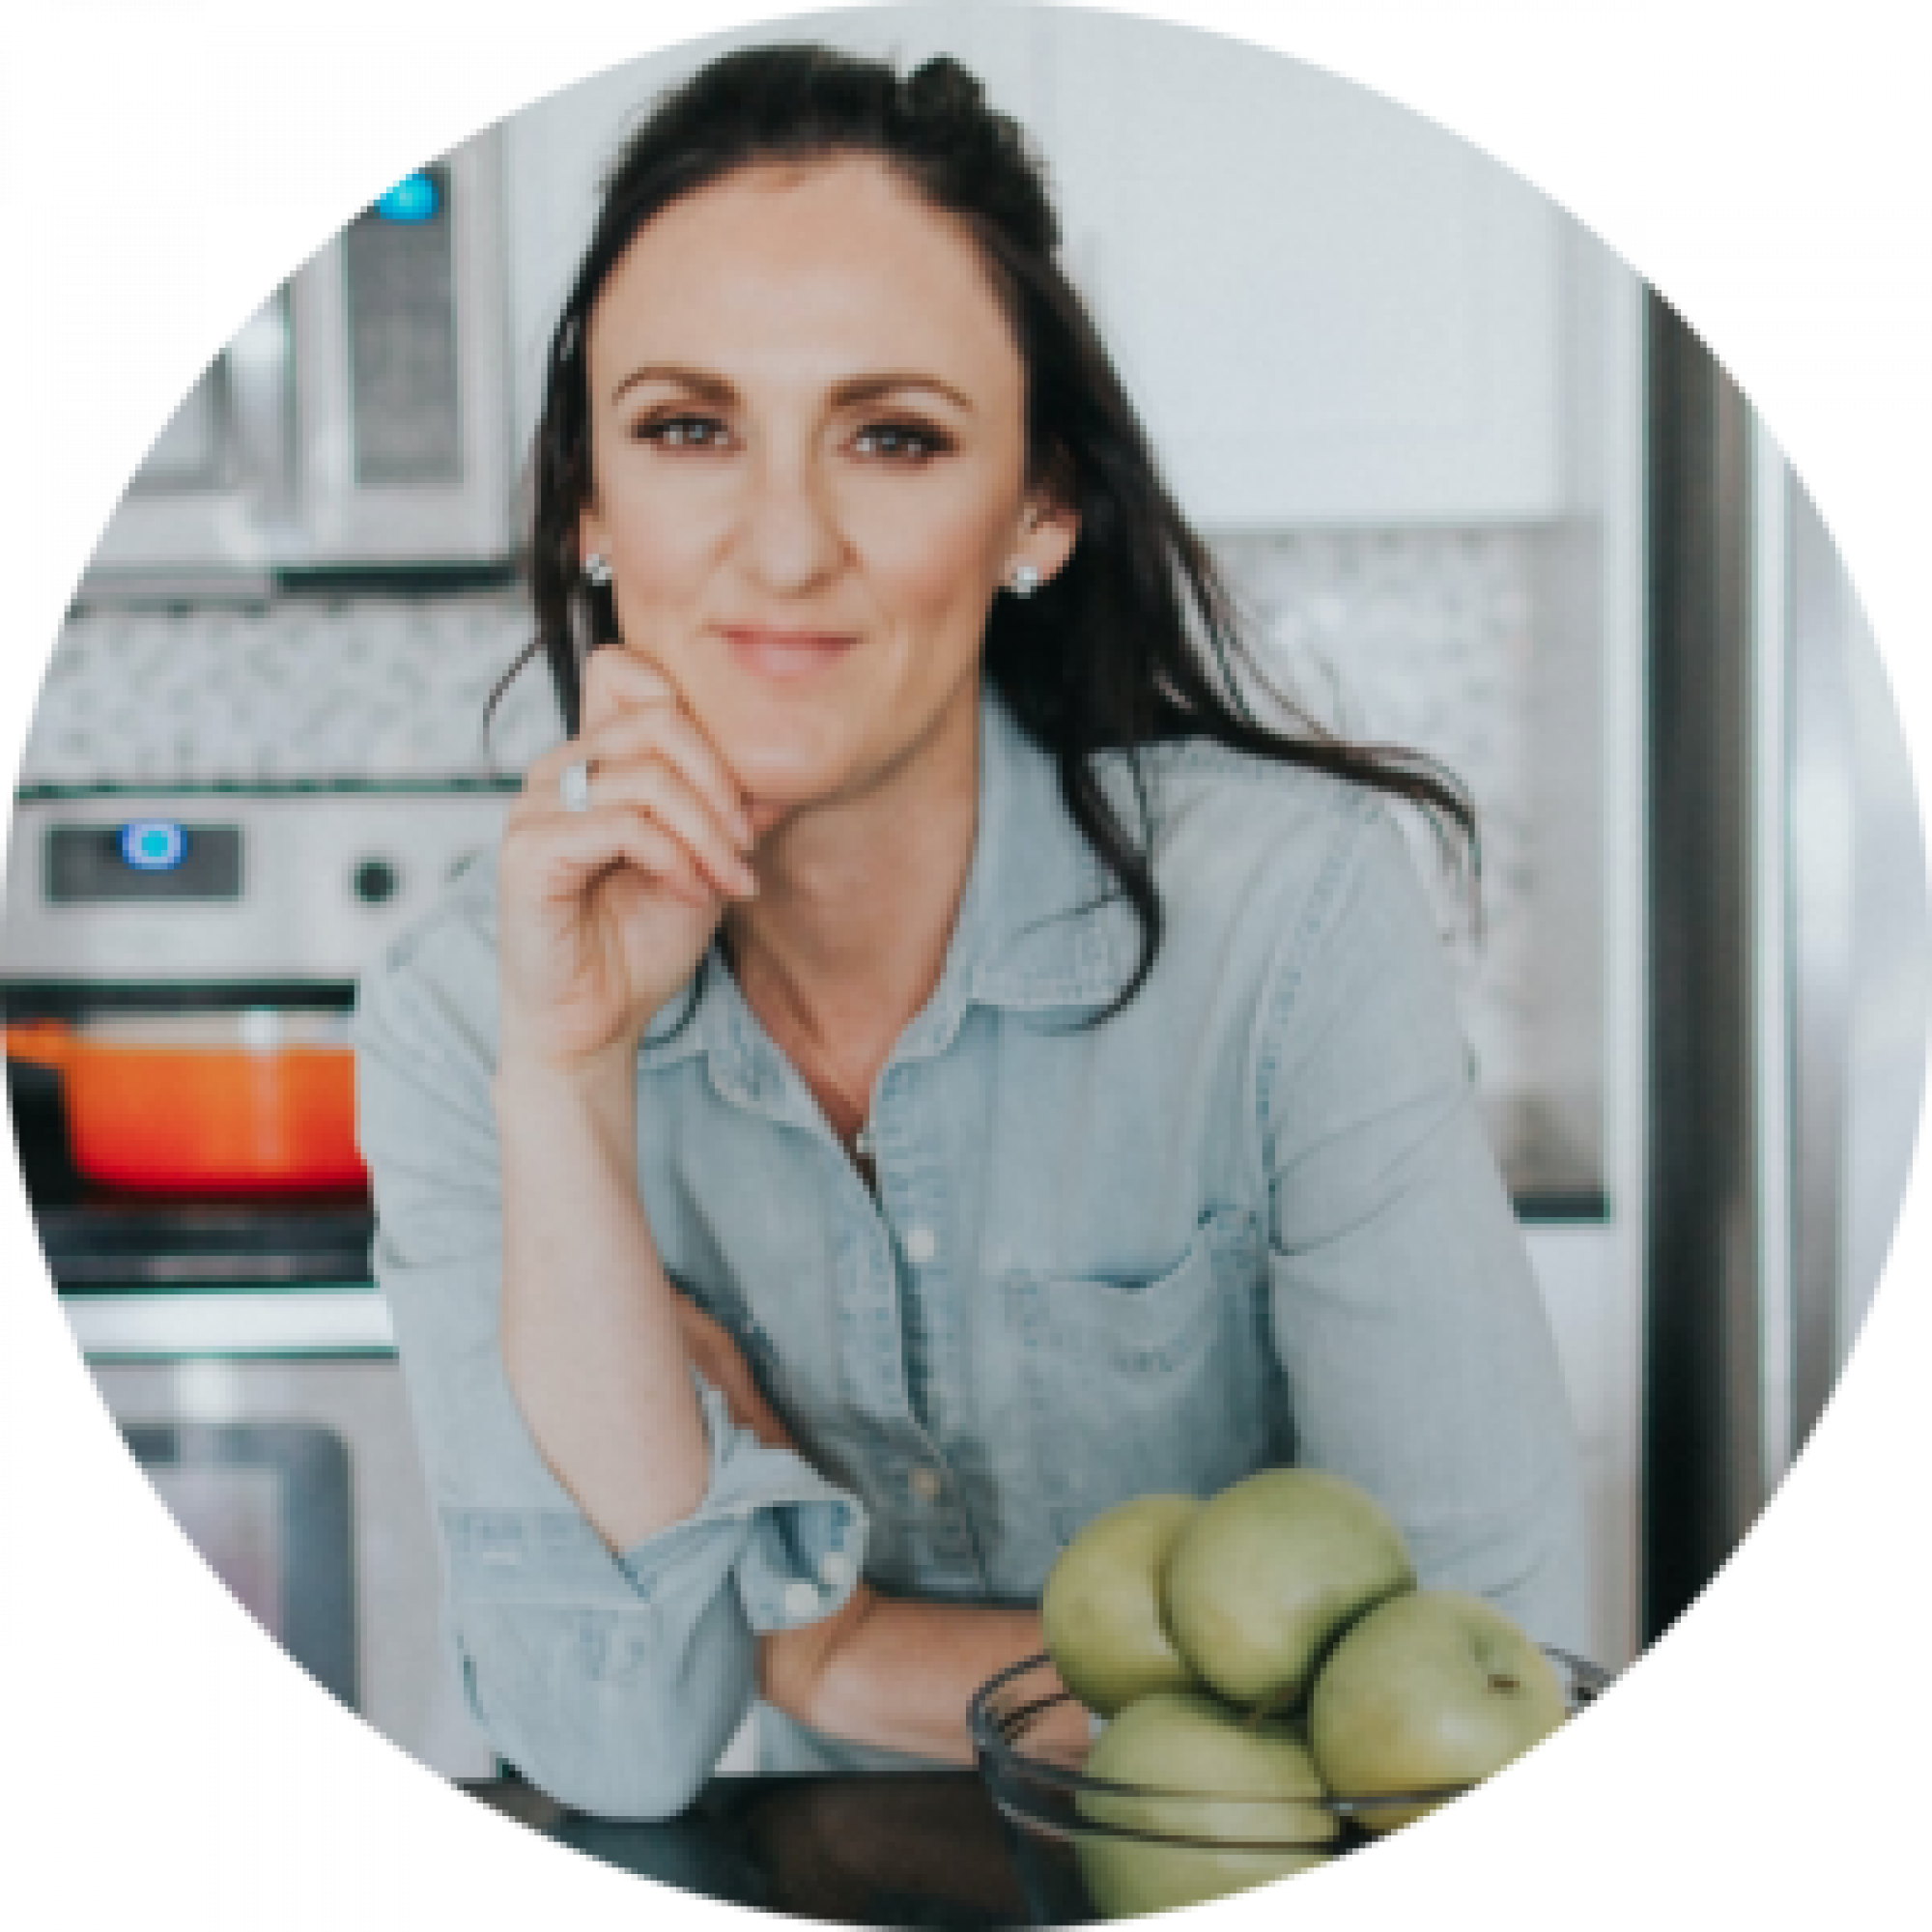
(246, 1378)
(236, 1335)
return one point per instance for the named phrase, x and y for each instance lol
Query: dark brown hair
(1135, 640)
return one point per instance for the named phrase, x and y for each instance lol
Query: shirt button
(802, 1600)
(921, 1245)
(925, 1483)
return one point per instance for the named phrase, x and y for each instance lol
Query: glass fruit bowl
(1088, 1849)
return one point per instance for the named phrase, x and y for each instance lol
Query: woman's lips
(785, 654)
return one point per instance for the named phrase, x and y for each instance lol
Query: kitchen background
(1482, 495)
(1422, 635)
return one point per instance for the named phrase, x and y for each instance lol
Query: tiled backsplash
(1470, 647)
(1423, 641)
(350, 687)
(1445, 641)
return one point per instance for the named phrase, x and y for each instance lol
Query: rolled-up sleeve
(1409, 1327)
(611, 1680)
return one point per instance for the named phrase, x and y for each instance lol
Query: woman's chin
(778, 781)
(776, 799)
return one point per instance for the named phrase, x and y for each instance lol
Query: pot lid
(253, 1029)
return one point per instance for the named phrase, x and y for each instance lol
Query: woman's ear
(1050, 540)
(1048, 536)
(590, 538)
(1049, 524)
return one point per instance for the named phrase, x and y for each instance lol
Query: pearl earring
(1024, 581)
(597, 568)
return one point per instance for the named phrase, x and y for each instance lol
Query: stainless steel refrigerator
(1786, 907)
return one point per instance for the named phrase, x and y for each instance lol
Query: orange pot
(257, 1100)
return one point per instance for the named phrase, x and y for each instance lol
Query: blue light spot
(153, 844)
(414, 198)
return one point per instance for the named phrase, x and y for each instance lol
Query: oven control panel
(192, 887)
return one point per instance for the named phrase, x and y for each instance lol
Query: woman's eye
(909, 442)
(898, 442)
(682, 432)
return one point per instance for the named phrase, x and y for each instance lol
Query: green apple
(1101, 1606)
(1269, 1572)
(1185, 1742)
(1430, 1689)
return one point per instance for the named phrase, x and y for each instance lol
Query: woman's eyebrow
(709, 387)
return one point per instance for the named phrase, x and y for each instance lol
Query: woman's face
(808, 472)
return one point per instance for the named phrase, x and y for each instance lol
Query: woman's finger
(565, 854)
(658, 790)
(715, 1354)
(661, 727)
(616, 679)
(670, 734)
(647, 782)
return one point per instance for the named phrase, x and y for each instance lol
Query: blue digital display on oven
(140, 860)
(153, 844)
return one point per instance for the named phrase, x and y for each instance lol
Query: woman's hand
(605, 913)
(790, 1662)
(714, 1353)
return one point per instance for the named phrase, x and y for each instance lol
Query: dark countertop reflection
(929, 1852)
(912, 1849)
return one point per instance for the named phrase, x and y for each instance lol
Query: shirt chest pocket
(1144, 1383)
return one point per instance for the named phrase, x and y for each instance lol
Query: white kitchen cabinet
(1328, 311)
(1331, 311)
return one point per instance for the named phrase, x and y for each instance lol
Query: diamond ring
(574, 786)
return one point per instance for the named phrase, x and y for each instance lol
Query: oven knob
(376, 881)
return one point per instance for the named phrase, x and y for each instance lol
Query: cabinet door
(1329, 310)
(558, 149)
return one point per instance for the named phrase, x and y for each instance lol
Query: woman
(928, 1065)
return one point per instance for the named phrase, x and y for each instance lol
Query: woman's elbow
(635, 1741)
(648, 1788)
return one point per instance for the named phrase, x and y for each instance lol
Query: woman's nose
(789, 536)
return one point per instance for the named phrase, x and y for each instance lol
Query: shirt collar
(1039, 928)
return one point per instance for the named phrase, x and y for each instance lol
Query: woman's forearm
(597, 1352)
(590, 1323)
(899, 1673)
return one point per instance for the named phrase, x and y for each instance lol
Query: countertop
(932, 1854)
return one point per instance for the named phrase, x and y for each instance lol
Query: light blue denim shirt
(1250, 1219)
